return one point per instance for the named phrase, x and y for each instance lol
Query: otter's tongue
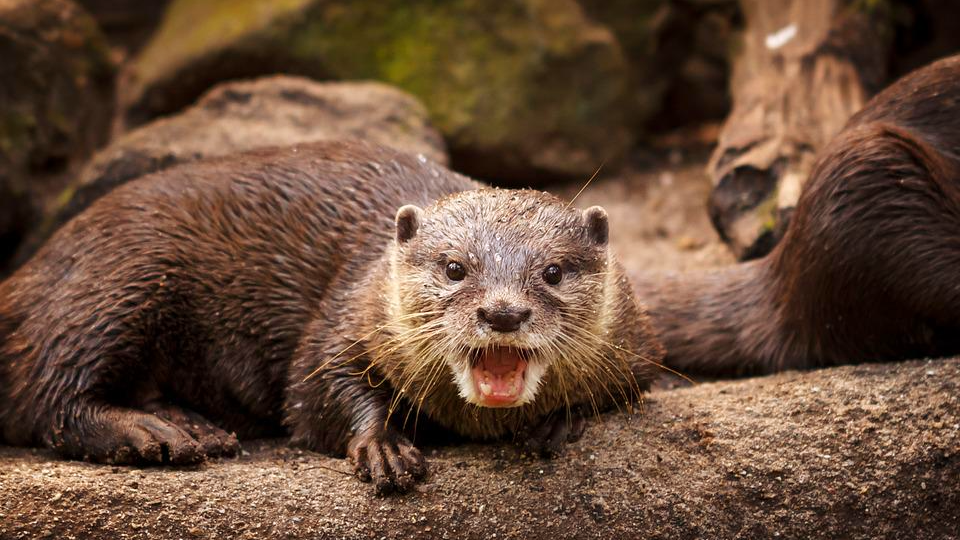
(499, 375)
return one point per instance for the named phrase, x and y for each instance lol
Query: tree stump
(806, 66)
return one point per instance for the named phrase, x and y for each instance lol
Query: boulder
(241, 115)
(521, 89)
(637, 26)
(128, 24)
(15, 215)
(679, 55)
(56, 91)
(869, 451)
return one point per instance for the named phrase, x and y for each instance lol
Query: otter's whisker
(365, 337)
(594, 175)
(599, 362)
(405, 379)
(397, 342)
(434, 366)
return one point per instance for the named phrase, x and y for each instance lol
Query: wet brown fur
(869, 268)
(250, 295)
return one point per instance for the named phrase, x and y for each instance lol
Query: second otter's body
(869, 267)
(282, 290)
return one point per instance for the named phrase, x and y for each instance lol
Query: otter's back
(218, 265)
(926, 101)
(290, 207)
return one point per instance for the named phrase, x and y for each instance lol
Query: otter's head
(507, 282)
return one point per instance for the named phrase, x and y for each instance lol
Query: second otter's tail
(717, 322)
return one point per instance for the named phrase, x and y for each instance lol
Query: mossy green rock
(518, 87)
(56, 101)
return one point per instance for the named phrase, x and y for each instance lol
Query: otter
(338, 292)
(869, 266)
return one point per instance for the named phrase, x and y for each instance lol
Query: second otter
(868, 267)
(284, 290)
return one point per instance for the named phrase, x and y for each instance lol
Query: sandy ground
(854, 452)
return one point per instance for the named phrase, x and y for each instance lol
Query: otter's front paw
(548, 438)
(388, 460)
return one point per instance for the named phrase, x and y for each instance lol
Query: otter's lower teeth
(485, 388)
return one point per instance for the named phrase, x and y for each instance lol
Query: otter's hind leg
(83, 356)
(109, 434)
(214, 441)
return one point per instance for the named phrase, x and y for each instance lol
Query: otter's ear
(408, 222)
(595, 222)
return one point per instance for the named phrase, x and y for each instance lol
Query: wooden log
(805, 68)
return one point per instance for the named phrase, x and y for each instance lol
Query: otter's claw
(549, 437)
(388, 460)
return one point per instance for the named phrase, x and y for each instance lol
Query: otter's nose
(504, 319)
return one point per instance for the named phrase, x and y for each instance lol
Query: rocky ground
(853, 452)
(868, 451)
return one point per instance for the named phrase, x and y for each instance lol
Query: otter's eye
(456, 271)
(552, 274)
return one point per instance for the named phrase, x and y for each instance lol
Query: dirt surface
(868, 451)
(658, 214)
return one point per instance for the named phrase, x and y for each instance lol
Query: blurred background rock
(56, 104)
(520, 93)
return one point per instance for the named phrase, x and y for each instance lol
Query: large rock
(520, 88)
(679, 54)
(56, 99)
(637, 25)
(126, 23)
(15, 215)
(236, 116)
(865, 452)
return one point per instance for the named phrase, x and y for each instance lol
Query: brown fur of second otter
(868, 267)
(283, 290)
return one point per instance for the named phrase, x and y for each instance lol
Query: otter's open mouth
(498, 373)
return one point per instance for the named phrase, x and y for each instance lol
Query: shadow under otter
(869, 267)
